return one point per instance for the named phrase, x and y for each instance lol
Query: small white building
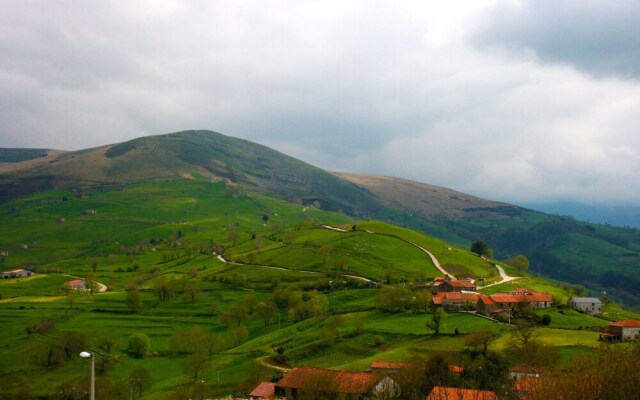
(76, 284)
(588, 305)
(16, 273)
(4, 253)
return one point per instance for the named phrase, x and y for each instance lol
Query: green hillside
(294, 289)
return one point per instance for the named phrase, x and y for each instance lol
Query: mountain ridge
(596, 256)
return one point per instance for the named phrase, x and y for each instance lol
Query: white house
(16, 273)
(589, 305)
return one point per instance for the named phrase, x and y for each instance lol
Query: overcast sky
(508, 100)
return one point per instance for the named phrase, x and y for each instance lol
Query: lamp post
(92, 383)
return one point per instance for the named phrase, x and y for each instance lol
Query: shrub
(139, 345)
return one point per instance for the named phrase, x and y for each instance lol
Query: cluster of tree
(399, 298)
(167, 287)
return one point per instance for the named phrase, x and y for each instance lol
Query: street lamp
(92, 383)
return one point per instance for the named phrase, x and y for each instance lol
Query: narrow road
(433, 258)
(222, 259)
(503, 275)
(273, 366)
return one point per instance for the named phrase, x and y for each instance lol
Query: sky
(519, 101)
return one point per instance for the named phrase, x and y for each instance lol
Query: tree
(520, 262)
(73, 342)
(94, 264)
(133, 300)
(480, 248)
(436, 321)
(139, 345)
(105, 342)
(324, 252)
(195, 364)
(140, 379)
(250, 302)
(210, 343)
(579, 290)
(480, 340)
(234, 316)
(266, 310)
(164, 288)
(524, 333)
(188, 340)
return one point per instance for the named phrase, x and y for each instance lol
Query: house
(16, 273)
(24, 246)
(264, 391)
(621, 330)
(4, 253)
(454, 285)
(588, 305)
(526, 386)
(89, 212)
(449, 393)
(304, 382)
(76, 284)
(501, 302)
(455, 301)
(61, 219)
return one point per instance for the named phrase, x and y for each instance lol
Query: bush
(546, 319)
(139, 345)
(378, 340)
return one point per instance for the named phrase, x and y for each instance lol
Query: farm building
(455, 301)
(500, 302)
(303, 383)
(453, 285)
(589, 305)
(76, 284)
(621, 330)
(89, 212)
(264, 391)
(16, 273)
(4, 253)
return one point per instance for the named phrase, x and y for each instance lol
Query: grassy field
(148, 235)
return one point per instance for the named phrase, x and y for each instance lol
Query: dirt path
(503, 275)
(222, 259)
(433, 258)
(273, 366)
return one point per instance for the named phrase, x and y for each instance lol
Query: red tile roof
(629, 323)
(486, 300)
(326, 380)
(266, 390)
(453, 296)
(527, 384)
(455, 369)
(15, 271)
(530, 297)
(74, 282)
(448, 393)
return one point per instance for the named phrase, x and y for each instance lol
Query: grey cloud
(598, 37)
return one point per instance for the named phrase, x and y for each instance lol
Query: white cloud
(398, 88)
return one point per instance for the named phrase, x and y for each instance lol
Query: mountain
(188, 155)
(599, 257)
(623, 215)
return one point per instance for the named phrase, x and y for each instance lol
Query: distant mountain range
(623, 215)
(597, 256)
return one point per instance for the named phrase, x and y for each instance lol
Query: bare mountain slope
(429, 201)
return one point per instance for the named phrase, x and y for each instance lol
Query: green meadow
(218, 251)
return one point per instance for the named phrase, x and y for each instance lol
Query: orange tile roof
(521, 298)
(455, 369)
(266, 390)
(527, 384)
(448, 393)
(486, 300)
(453, 296)
(15, 271)
(74, 282)
(629, 323)
(327, 380)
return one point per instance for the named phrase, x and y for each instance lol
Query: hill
(599, 257)
(261, 280)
